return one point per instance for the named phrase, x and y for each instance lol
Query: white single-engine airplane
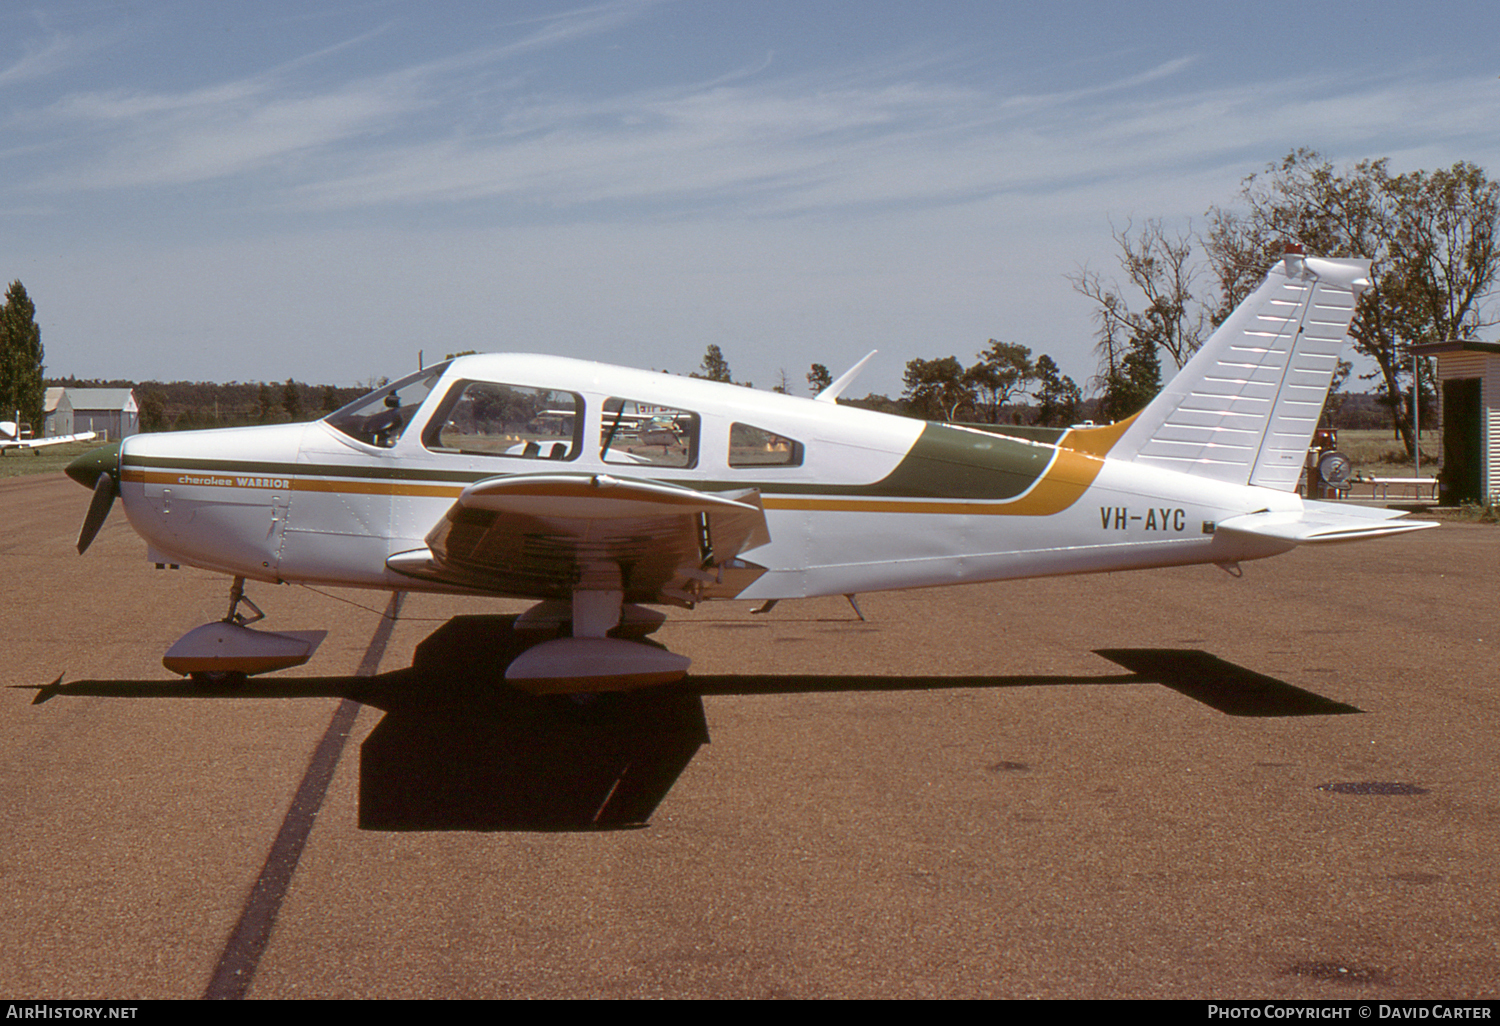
(15, 435)
(599, 490)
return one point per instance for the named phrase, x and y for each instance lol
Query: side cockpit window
(644, 433)
(485, 418)
(380, 418)
(756, 447)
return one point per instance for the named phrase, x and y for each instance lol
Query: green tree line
(189, 405)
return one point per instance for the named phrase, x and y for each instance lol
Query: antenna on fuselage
(833, 391)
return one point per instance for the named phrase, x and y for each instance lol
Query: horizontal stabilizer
(1323, 523)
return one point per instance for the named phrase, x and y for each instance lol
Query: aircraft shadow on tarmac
(456, 750)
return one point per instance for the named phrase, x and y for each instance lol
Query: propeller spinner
(99, 470)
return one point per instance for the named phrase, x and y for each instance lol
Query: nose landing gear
(227, 652)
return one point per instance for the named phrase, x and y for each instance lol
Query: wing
(42, 443)
(549, 535)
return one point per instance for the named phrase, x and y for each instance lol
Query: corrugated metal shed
(110, 412)
(56, 412)
(1469, 398)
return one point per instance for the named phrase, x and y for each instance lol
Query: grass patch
(51, 460)
(1487, 514)
(1375, 453)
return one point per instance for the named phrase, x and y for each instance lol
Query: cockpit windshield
(379, 418)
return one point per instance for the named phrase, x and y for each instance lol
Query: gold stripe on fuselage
(266, 482)
(1077, 462)
(1067, 477)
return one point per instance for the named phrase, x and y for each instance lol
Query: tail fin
(1244, 408)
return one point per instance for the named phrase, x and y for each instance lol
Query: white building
(111, 413)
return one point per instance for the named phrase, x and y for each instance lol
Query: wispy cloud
(130, 138)
(471, 127)
(222, 131)
(824, 141)
(566, 26)
(54, 53)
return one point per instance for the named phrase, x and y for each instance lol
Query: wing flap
(548, 535)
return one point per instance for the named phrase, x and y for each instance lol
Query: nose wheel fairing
(228, 649)
(222, 648)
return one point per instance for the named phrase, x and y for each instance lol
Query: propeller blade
(105, 491)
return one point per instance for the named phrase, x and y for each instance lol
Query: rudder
(1244, 409)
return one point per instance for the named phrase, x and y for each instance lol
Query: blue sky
(263, 190)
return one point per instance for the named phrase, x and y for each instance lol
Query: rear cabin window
(751, 446)
(645, 434)
(484, 418)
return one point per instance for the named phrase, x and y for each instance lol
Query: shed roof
(102, 399)
(1471, 346)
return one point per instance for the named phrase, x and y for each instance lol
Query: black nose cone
(87, 468)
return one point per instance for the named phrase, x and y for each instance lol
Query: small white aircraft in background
(16, 435)
(601, 490)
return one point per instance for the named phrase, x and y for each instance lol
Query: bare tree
(1162, 274)
(1160, 267)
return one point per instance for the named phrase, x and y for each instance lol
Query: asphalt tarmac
(1171, 784)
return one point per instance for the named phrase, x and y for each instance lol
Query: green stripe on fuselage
(943, 463)
(257, 467)
(950, 463)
